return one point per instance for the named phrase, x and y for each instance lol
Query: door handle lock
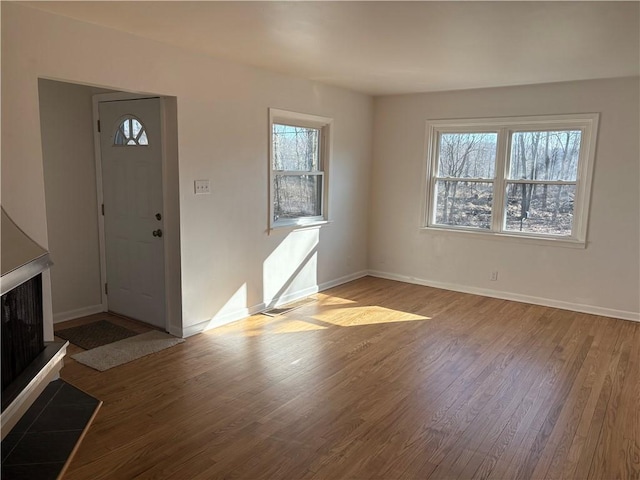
(157, 233)
(158, 216)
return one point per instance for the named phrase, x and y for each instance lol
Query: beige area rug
(124, 351)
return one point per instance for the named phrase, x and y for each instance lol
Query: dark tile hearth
(43, 440)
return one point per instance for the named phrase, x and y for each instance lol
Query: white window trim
(586, 122)
(325, 125)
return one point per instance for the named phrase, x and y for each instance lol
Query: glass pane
(126, 128)
(539, 208)
(297, 196)
(136, 127)
(120, 138)
(545, 155)
(467, 155)
(295, 148)
(131, 133)
(465, 204)
(143, 140)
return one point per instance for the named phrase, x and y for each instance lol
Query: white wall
(230, 265)
(71, 202)
(603, 278)
(223, 136)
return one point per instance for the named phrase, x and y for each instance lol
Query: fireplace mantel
(21, 260)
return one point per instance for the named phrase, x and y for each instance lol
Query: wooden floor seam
(377, 379)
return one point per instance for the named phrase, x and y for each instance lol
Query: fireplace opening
(22, 328)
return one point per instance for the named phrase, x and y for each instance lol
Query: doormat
(118, 353)
(274, 312)
(96, 334)
(43, 442)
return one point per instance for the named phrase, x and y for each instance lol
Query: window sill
(506, 237)
(288, 226)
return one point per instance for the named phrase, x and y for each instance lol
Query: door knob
(157, 233)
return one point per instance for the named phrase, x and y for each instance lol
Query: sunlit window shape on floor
(130, 133)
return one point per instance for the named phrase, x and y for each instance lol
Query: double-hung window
(519, 177)
(299, 157)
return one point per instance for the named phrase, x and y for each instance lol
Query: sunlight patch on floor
(315, 317)
(284, 325)
(370, 315)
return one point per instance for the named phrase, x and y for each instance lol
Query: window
(130, 132)
(299, 156)
(518, 177)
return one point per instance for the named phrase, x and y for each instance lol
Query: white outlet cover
(202, 187)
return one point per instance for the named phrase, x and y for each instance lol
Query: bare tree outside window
(296, 150)
(542, 181)
(299, 155)
(519, 176)
(465, 163)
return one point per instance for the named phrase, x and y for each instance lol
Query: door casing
(119, 96)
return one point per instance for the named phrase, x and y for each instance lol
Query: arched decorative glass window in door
(130, 132)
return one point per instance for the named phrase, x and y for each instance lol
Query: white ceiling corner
(392, 47)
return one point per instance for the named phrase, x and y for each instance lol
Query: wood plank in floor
(379, 380)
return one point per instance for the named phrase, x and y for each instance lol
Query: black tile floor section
(42, 441)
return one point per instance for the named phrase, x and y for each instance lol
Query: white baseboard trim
(339, 281)
(79, 312)
(234, 316)
(517, 297)
(221, 320)
(293, 296)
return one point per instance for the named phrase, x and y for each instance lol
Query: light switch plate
(201, 187)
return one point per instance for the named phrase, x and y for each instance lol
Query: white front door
(131, 155)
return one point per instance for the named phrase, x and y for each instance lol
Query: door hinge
(103, 209)
(106, 289)
(98, 126)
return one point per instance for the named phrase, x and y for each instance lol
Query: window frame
(505, 127)
(324, 126)
(118, 130)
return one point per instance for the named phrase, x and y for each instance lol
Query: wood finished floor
(376, 380)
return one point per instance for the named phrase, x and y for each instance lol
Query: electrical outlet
(494, 276)
(201, 187)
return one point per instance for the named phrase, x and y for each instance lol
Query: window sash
(298, 172)
(319, 153)
(464, 179)
(505, 128)
(321, 193)
(324, 127)
(544, 182)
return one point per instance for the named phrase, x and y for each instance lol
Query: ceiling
(393, 47)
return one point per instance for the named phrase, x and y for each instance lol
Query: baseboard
(221, 320)
(546, 302)
(305, 292)
(240, 314)
(291, 297)
(80, 312)
(339, 281)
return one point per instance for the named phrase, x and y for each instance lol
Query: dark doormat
(43, 442)
(95, 334)
(274, 312)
